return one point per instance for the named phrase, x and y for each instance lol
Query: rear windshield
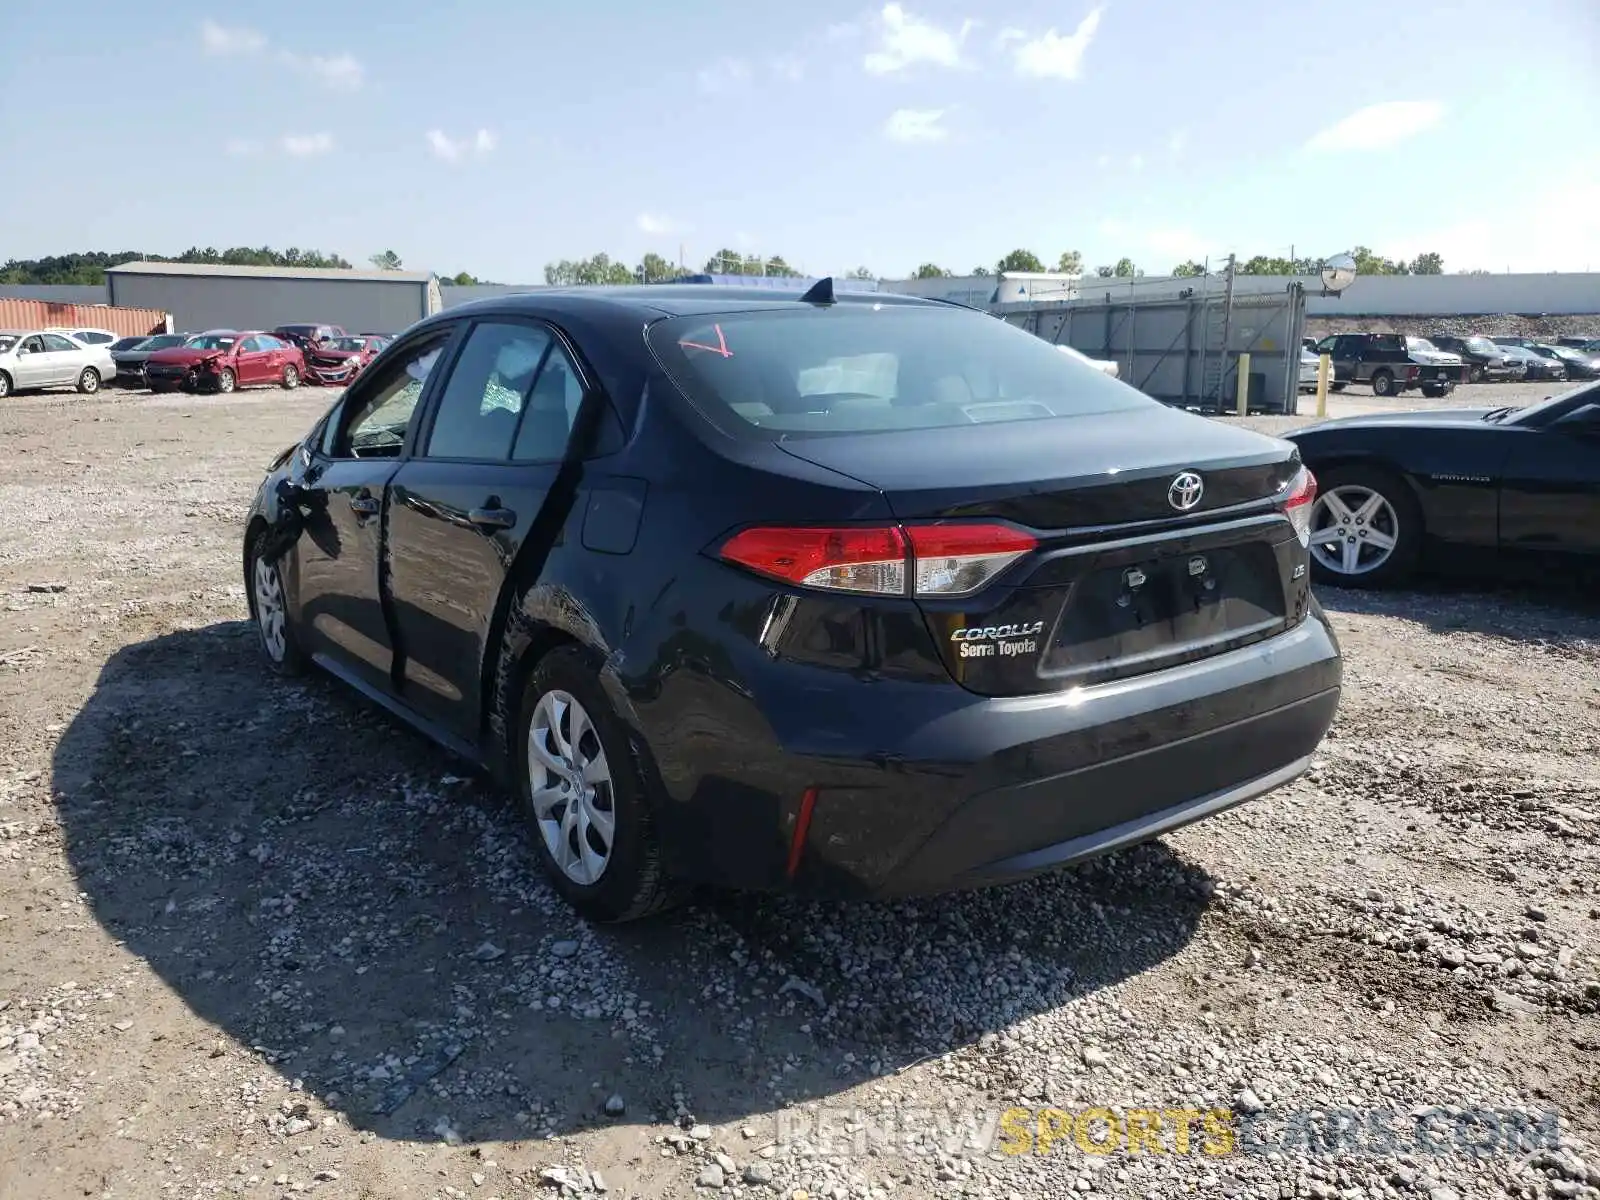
(865, 368)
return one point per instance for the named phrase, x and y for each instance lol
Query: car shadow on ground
(337, 897)
(1555, 612)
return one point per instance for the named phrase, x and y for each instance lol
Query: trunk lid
(1123, 582)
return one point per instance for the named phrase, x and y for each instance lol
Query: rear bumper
(920, 789)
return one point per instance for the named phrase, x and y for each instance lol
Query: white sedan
(1099, 364)
(40, 358)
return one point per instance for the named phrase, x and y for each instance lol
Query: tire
(291, 377)
(1436, 390)
(563, 693)
(1475, 374)
(88, 381)
(1338, 387)
(1383, 384)
(1398, 516)
(226, 381)
(279, 646)
(5, 385)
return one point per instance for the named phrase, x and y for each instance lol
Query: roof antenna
(820, 292)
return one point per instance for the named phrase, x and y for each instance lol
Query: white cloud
(304, 145)
(1379, 126)
(223, 39)
(916, 125)
(907, 41)
(1010, 34)
(1136, 162)
(241, 147)
(724, 75)
(341, 72)
(1054, 56)
(1177, 142)
(1556, 228)
(1103, 161)
(455, 149)
(657, 224)
(789, 67)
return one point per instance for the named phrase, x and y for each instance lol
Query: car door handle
(492, 518)
(364, 505)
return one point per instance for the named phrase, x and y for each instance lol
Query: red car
(224, 359)
(338, 360)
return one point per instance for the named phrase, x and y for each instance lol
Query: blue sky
(494, 136)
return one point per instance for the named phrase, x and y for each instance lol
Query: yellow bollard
(1244, 384)
(1324, 377)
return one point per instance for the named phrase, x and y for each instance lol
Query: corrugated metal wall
(40, 314)
(199, 302)
(56, 293)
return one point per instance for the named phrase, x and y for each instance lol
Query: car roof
(651, 301)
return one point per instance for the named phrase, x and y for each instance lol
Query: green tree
(1189, 270)
(861, 273)
(1125, 269)
(980, 271)
(1021, 260)
(930, 270)
(727, 262)
(601, 269)
(1070, 263)
(1105, 272)
(386, 260)
(89, 267)
(655, 269)
(1368, 263)
(1430, 263)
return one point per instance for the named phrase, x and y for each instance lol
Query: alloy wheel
(570, 787)
(1354, 530)
(270, 612)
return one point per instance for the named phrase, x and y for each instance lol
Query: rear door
(477, 496)
(338, 558)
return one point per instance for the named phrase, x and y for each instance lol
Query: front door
(339, 557)
(476, 497)
(33, 363)
(62, 360)
(1550, 493)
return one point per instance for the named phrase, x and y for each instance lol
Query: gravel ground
(258, 939)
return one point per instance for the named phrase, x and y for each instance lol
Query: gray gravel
(257, 939)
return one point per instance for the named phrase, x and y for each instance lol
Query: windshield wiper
(1499, 414)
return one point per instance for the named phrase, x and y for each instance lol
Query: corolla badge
(1185, 490)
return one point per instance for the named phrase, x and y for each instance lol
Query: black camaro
(864, 595)
(1471, 489)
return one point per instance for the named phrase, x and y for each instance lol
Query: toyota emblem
(1184, 492)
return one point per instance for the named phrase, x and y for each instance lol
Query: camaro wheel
(89, 381)
(270, 607)
(1366, 529)
(583, 789)
(291, 377)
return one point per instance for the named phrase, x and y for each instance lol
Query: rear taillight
(884, 560)
(1298, 503)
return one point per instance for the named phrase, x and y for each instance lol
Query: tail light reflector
(1297, 504)
(885, 560)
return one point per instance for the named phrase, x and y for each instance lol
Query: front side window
(212, 341)
(483, 399)
(33, 345)
(54, 341)
(871, 368)
(385, 404)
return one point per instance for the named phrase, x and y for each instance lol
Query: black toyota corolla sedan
(859, 595)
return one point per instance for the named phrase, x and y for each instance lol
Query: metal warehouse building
(208, 296)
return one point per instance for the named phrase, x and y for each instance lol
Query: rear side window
(861, 368)
(483, 399)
